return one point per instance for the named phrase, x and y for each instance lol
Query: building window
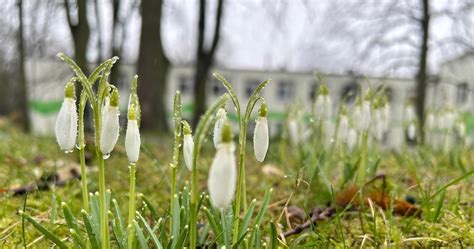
(461, 93)
(185, 84)
(250, 87)
(286, 90)
(350, 92)
(217, 88)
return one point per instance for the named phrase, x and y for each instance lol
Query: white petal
(220, 120)
(222, 176)
(293, 132)
(132, 141)
(260, 138)
(343, 128)
(351, 139)
(66, 125)
(365, 116)
(411, 131)
(188, 150)
(110, 130)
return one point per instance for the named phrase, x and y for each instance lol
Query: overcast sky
(291, 35)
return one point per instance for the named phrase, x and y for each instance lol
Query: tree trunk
(204, 58)
(115, 74)
(152, 68)
(421, 77)
(22, 101)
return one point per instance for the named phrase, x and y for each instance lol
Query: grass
(446, 221)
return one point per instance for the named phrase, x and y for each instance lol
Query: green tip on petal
(186, 128)
(323, 89)
(69, 90)
(114, 98)
(132, 115)
(226, 132)
(263, 110)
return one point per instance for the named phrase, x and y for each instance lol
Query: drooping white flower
(222, 174)
(343, 129)
(386, 117)
(351, 139)
(323, 104)
(378, 124)
(132, 137)
(365, 115)
(221, 118)
(411, 132)
(293, 132)
(66, 122)
(110, 127)
(188, 146)
(260, 135)
(409, 113)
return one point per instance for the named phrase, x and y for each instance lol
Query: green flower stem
(85, 192)
(363, 160)
(131, 206)
(201, 131)
(177, 110)
(224, 228)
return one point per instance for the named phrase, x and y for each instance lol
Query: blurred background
(421, 50)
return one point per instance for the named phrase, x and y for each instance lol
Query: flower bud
(323, 105)
(221, 118)
(343, 129)
(260, 134)
(66, 122)
(365, 115)
(132, 136)
(351, 139)
(110, 125)
(411, 131)
(222, 174)
(188, 146)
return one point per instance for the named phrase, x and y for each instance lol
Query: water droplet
(106, 156)
(68, 151)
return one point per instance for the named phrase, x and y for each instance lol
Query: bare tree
(80, 31)
(205, 57)
(22, 96)
(152, 67)
(393, 37)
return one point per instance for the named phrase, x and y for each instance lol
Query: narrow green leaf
(176, 218)
(118, 219)
(140, 237)
(240, 240)
(439, 206)
(93, 238)
(150, 207)
(182, 238)
(77, 239)
(155, 240)
(245, 222)
(263, 208)
(44, 231)
(70, 219)
(273, 236)
(212, 222)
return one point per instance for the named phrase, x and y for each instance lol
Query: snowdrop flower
(351, 139)
(66, 123)
(132, 136)
(222, 175)
(365, 115)
(188, 146)
(411, 131)
(378, 124)
(260, 134)
(323, 104)
(293, 131)
(343, 129)
(110, 125)
(221, 118)
(449, 119)
(409, 113)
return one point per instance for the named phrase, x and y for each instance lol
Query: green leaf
(44, 231)
(70, 219)
(176, 218)
(232, 93)
(439, 206)
(155, 240)
(118, 221)
(182, 238)
(93, 238)
(263, 208)
(273, 236)
(77, 239)
(150, 207)
(140, 237)
(213, 223)
(247, 217)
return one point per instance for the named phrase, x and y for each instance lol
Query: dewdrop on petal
(66, 122)
(188, 146)
(132, 136)
(110, 127)
(260, 134)
(221, 117)
(222, 174)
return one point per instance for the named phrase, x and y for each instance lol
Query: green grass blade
(263, 208)
(248, 215)
(150, 207)
(212, 222)
(44, 231)
(70, 219)
(118, 221)
(182, 238)
(77, 239)
(273, 236)
(140, 237)
(439, 207)
(93, 238)
(155, 240)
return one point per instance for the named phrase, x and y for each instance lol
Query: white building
(455, 86)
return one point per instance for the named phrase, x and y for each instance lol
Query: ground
(446, 219)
